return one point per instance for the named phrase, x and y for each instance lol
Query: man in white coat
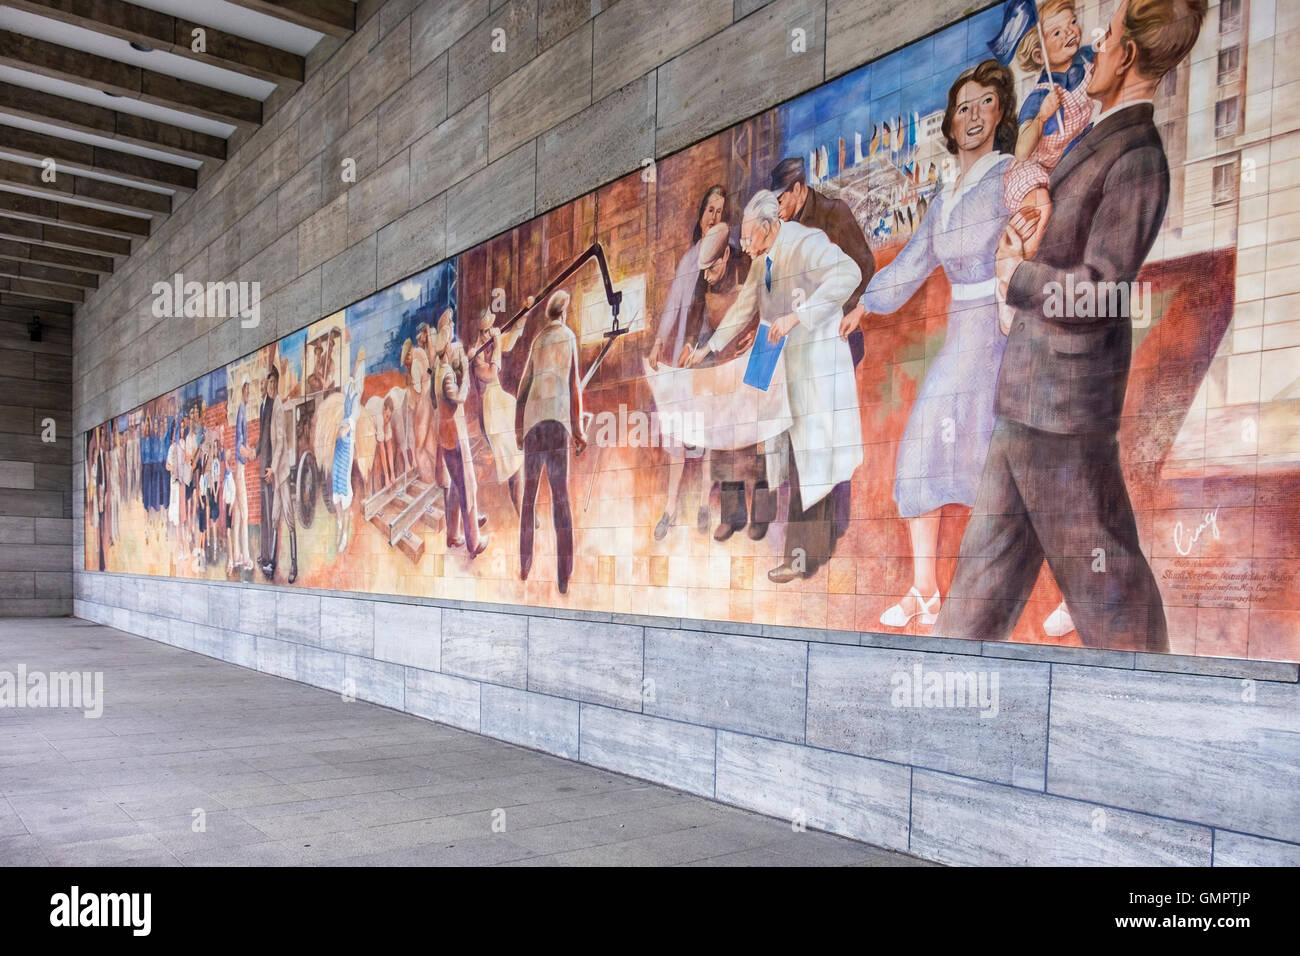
(798, 283)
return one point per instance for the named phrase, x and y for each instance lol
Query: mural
(980, 340)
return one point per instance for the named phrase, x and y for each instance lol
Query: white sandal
(897, 617)
(1059, 623)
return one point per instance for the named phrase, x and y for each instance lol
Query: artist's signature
(1184, 540)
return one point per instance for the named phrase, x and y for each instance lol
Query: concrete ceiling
(113, 93)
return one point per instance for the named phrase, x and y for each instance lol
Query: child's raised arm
(1031, 131)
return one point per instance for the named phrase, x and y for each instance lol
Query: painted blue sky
(381, 322)
(913, 79)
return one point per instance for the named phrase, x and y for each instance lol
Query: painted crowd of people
(1016, 417)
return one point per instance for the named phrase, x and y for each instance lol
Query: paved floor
(281, 773)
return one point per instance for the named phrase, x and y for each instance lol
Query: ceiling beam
(173, 35)
(112, 124)
(15, 269)
(336, 18)
(68, 186)
(70, 214)
(42, 290)
(61, 237)
(48, 255)
(28, 302)
(97, 159)
(112, 76)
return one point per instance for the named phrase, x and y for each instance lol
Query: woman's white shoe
(1059, 623)
(897, 616)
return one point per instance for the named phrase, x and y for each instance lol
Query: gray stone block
(531, 720)
(357, 151)
(277, 657)
(274, 267)
(298, 198)
(675, 754)
(414, 109)
(296, 305)
(599, 144)
(502, 43)
(375, 681)
(349, 277)
(853, 796)
(744, 8)
(597, 663)
(492, 200)
(823, 635)
(223, 606)
(1218, 667)
(973, 823)
(348, 625)
(556, 19)
(208, 640)
(256, 230)
(437, 24)
(859, 32)
(409, 634)
(413, 242)
(1197, 748)
(864, 701)
(350, 54)
(191, 602)
(239, 648)
(379, 198)
(297, 617)
(1240, 849)
(323, 122)
(739, 72)
(319, 667)
(1095, 656)
(387, 67)
(920, 642)
(486, 646)
(256, 611)
(641, 34)
(323, 235)
(748, 684)
(545, 91)
(450, 152)
(440, 697)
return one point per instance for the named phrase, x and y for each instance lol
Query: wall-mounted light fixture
(34, 328)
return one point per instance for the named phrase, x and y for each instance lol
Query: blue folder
(762, 359)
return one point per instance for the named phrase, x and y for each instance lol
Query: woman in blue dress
(344, 450)
(943, 447)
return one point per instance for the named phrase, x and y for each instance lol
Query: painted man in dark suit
(265, 455)
(1052, 487)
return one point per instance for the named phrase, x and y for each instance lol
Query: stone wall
(36, 554)
(1094, 757)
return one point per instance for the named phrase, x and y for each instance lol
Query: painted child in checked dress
(1043, 137)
